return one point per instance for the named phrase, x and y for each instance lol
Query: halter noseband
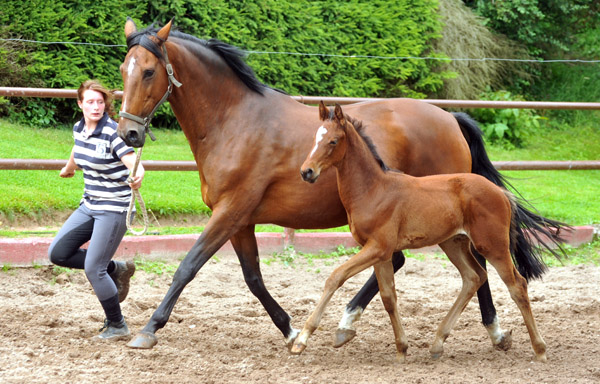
(145, 121)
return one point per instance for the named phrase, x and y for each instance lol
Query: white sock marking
(348, 319)
(495, 331)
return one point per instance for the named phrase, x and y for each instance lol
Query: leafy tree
(380, 28)
(546, 26)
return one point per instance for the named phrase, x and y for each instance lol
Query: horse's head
(330, 143)
(147, 81)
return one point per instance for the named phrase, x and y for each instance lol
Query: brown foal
(390, 211)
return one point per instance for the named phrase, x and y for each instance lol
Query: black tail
(545, 232)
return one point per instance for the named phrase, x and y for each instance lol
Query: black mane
(359, 126)
(231, 55)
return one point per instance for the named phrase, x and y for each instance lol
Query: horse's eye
(333, 142)
(148, 73)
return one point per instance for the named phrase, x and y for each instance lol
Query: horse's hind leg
(387, 291)
(473, 276)
(501, 339)
(244, 243)
(517, 286)
(357, 305)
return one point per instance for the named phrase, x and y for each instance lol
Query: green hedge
(353, 27)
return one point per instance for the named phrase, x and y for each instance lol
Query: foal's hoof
(436, 355)
(505, 342)
(297, 348)
(541, 358)
(143, 340)
(401, 357)
(342, 336)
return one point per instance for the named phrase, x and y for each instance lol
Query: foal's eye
(333, 142)
(148, 73)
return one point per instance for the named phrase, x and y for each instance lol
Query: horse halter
(145, 121)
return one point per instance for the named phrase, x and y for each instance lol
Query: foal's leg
(367, 257)
(357, 305)
(517, 286)
(244, 243)
(346, 331)
(473, 276)
(387, 289)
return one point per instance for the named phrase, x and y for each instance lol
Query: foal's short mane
(232, 56)
(359, 126)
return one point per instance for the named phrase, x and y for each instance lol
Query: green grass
(570, 196)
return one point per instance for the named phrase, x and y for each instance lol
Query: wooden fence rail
(152, 165)
(72, 94)
(38, 164)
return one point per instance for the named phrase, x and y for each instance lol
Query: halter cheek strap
(145, 121)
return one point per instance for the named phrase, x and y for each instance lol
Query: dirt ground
(219, 333)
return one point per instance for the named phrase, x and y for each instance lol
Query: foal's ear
(163, 33)
(323, 111)
(339, 115)
(129, 27)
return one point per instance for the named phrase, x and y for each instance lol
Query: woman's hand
(67, 171)
(135, 182)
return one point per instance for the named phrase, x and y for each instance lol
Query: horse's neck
(207, 96)
(358, 171)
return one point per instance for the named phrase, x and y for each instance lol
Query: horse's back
(413, 136)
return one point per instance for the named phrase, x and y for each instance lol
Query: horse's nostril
(132, 136)
(307, 174)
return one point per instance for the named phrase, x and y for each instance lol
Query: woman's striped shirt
(99, 157)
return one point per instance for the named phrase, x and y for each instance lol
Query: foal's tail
(527, 255)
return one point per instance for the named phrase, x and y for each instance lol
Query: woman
(101, 216)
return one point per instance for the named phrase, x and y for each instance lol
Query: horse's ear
(339, 115)
(163, 33)
(129, 27)
(323, 111)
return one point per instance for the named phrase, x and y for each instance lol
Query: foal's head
(330, 143)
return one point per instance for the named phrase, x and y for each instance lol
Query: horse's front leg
(244, 243)
(218, 230)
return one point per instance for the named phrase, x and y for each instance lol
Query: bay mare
(249, 141)
(391, 211)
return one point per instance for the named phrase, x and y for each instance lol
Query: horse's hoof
(401, 358)
(289, 342)
(505, 342)
(297, 348)
(436, 352)
(342, 336)
(436, 355)
(143, 340)
(541, 358)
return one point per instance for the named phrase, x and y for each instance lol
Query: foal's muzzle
(309, 175)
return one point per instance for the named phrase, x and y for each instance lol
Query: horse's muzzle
(309, 175)
(132, 136)
(134, 139)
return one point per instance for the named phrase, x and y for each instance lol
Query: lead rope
(135, 194)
